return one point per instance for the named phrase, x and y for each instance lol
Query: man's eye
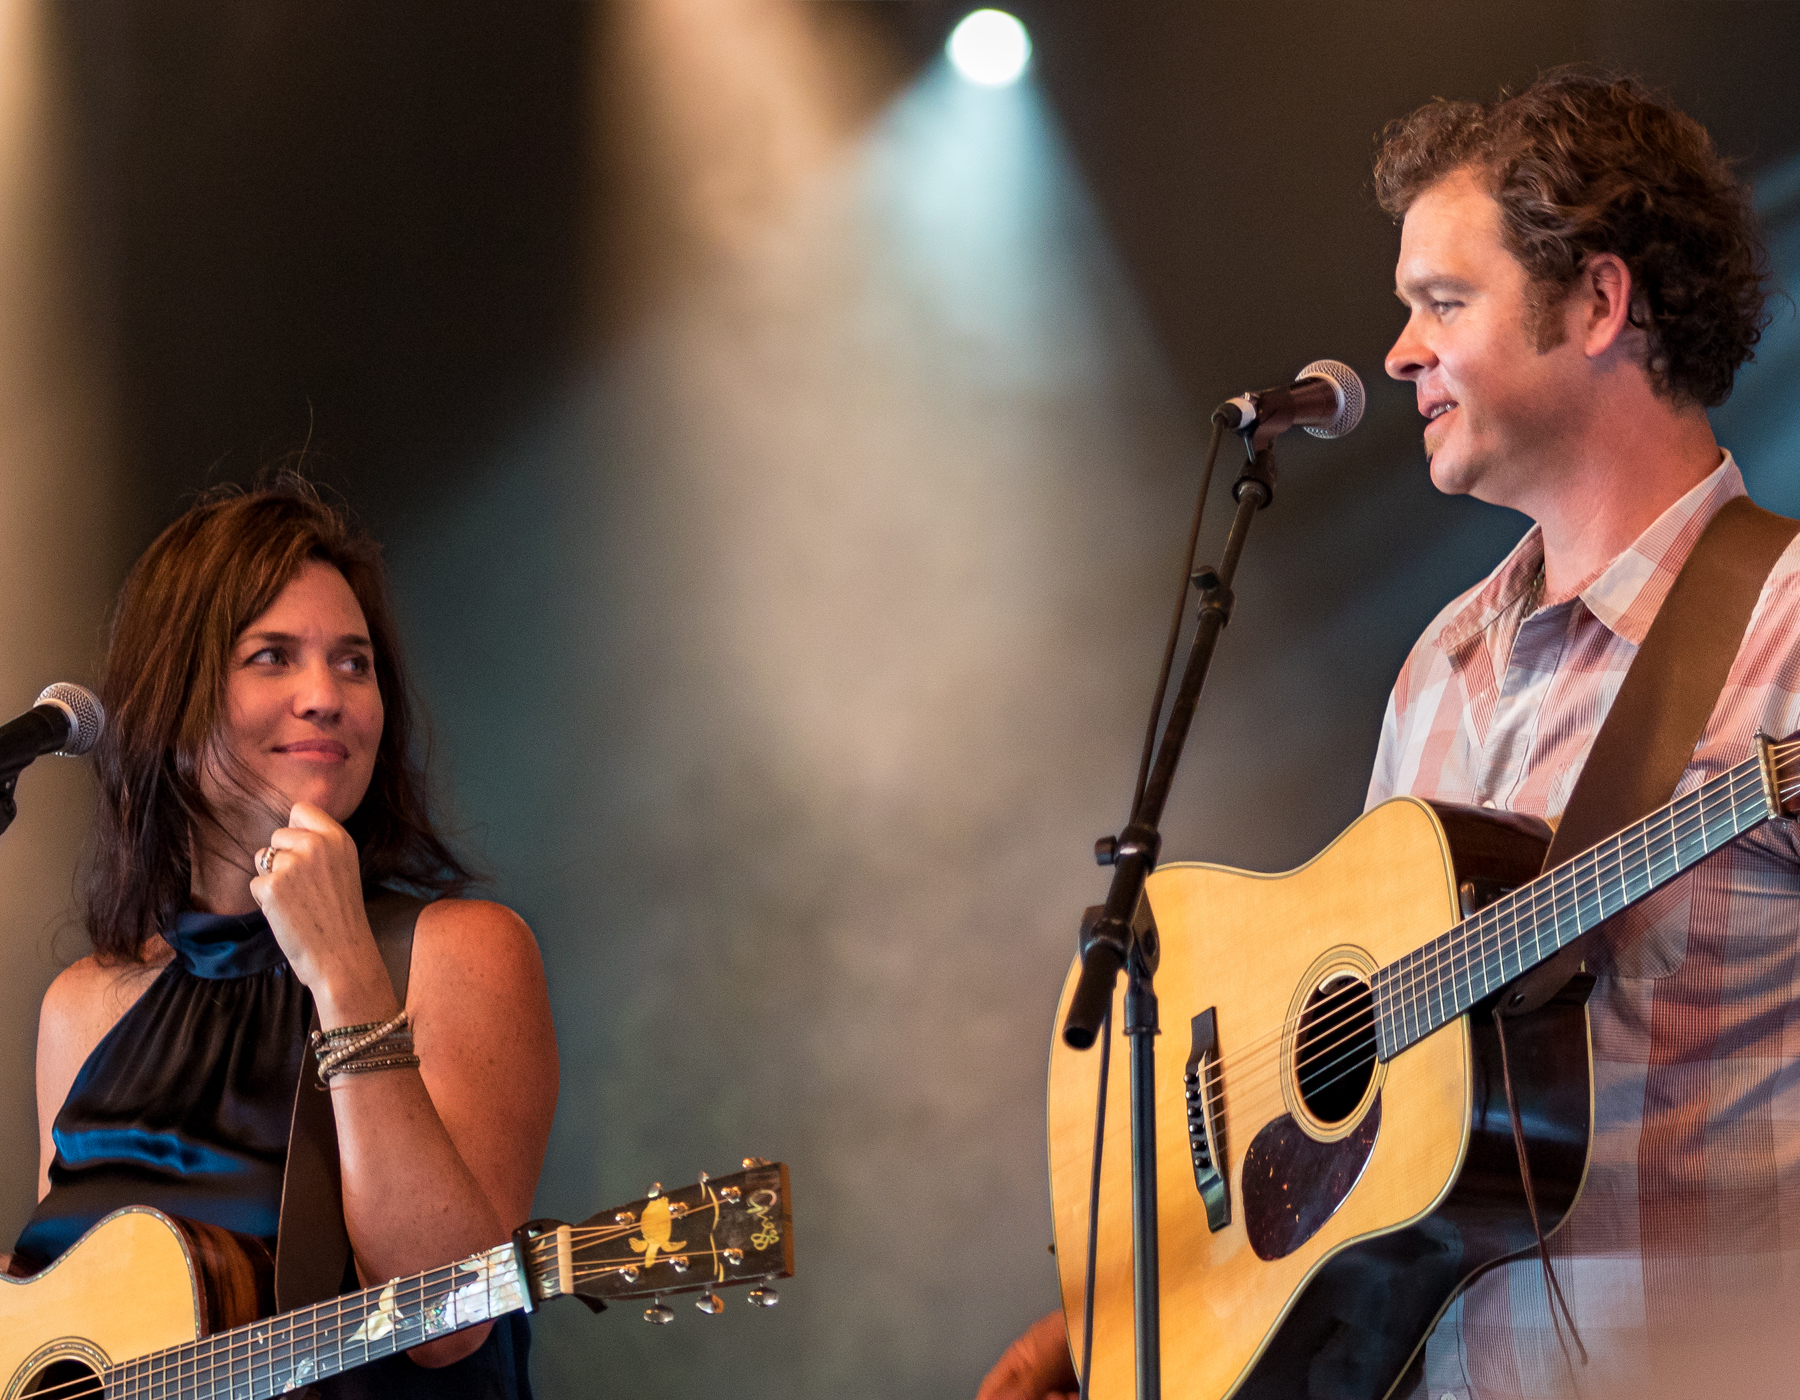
(357, 664)
(265, 656)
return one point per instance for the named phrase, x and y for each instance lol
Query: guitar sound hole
(1335, 1048)
(66, 1380)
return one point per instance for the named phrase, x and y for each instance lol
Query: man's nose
(1410, 356)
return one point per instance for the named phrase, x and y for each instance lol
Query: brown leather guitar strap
(312, 1250)
(1664, 702)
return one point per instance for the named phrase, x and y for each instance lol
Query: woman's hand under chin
(312, 893)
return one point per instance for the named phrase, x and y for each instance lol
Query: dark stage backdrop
(783, 452)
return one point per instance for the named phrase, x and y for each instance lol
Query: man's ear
(1602, 304)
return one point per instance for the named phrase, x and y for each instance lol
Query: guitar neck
(268, 1358)
(716, 1233)
(1433, 985)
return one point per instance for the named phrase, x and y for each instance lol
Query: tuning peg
(659, 1313)
(763, 1296)
(752, 1162)
(730, 1195)
(655, 1190)
(679, 1263)
(710, 1303)
(734, 1257)
(629, 1272)
(624, 1217)
(704, 1178)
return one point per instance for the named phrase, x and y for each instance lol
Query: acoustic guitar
(1335, 1154)
(144, 1305)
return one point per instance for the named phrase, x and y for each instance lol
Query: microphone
(1326, 398)
(66, 720)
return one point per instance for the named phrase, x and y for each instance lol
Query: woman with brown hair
(258, 798)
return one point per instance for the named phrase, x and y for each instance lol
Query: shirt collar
(1625, 594)
(220, 946)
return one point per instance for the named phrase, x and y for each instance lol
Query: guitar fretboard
(1433, 985)
(271, 1357)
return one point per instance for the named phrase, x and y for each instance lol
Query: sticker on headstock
(657, 1225)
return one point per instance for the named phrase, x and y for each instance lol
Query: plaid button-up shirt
(1692, 1198)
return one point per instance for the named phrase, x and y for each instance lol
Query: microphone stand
(1124, 935)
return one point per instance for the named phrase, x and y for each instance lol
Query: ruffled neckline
(222, 946)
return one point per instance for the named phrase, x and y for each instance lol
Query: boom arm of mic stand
(1109, 945)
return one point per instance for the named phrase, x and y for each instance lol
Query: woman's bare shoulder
(86, 1000)
(91, 992)
(476, 929)
(478, 996)
(478, 950)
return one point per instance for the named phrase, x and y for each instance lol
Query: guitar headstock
(720, 1231)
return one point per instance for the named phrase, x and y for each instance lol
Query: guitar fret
(1434, 984)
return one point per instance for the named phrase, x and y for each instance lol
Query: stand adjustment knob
(1106, 850)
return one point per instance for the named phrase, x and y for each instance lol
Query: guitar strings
(1492, 926)
(587, 1232)
(1620, 878)
(1258, 1096)
(69, 1387)
(202, 1360)
(266, 1344)
(1557, 900)
(1624, 867)
(226, 1351)
(1464, 950)
(221, 1351)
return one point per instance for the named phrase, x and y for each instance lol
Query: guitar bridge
(1205, 1091)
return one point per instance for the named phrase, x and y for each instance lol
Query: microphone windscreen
(1350, 396)
(87, 717)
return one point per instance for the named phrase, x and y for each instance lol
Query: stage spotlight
(990, 47)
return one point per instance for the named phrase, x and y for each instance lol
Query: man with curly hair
(1583, 278)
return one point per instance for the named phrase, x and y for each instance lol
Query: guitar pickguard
(1293, 1183)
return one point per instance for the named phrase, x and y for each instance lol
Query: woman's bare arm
(439, 1162)
(442, 1162)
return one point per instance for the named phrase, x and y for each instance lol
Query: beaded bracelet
(365, 1066)
(340, 1033)
(347, 1049)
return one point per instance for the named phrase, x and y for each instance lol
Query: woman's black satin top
(185, 1105)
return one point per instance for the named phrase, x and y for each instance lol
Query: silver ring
(265, 860)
